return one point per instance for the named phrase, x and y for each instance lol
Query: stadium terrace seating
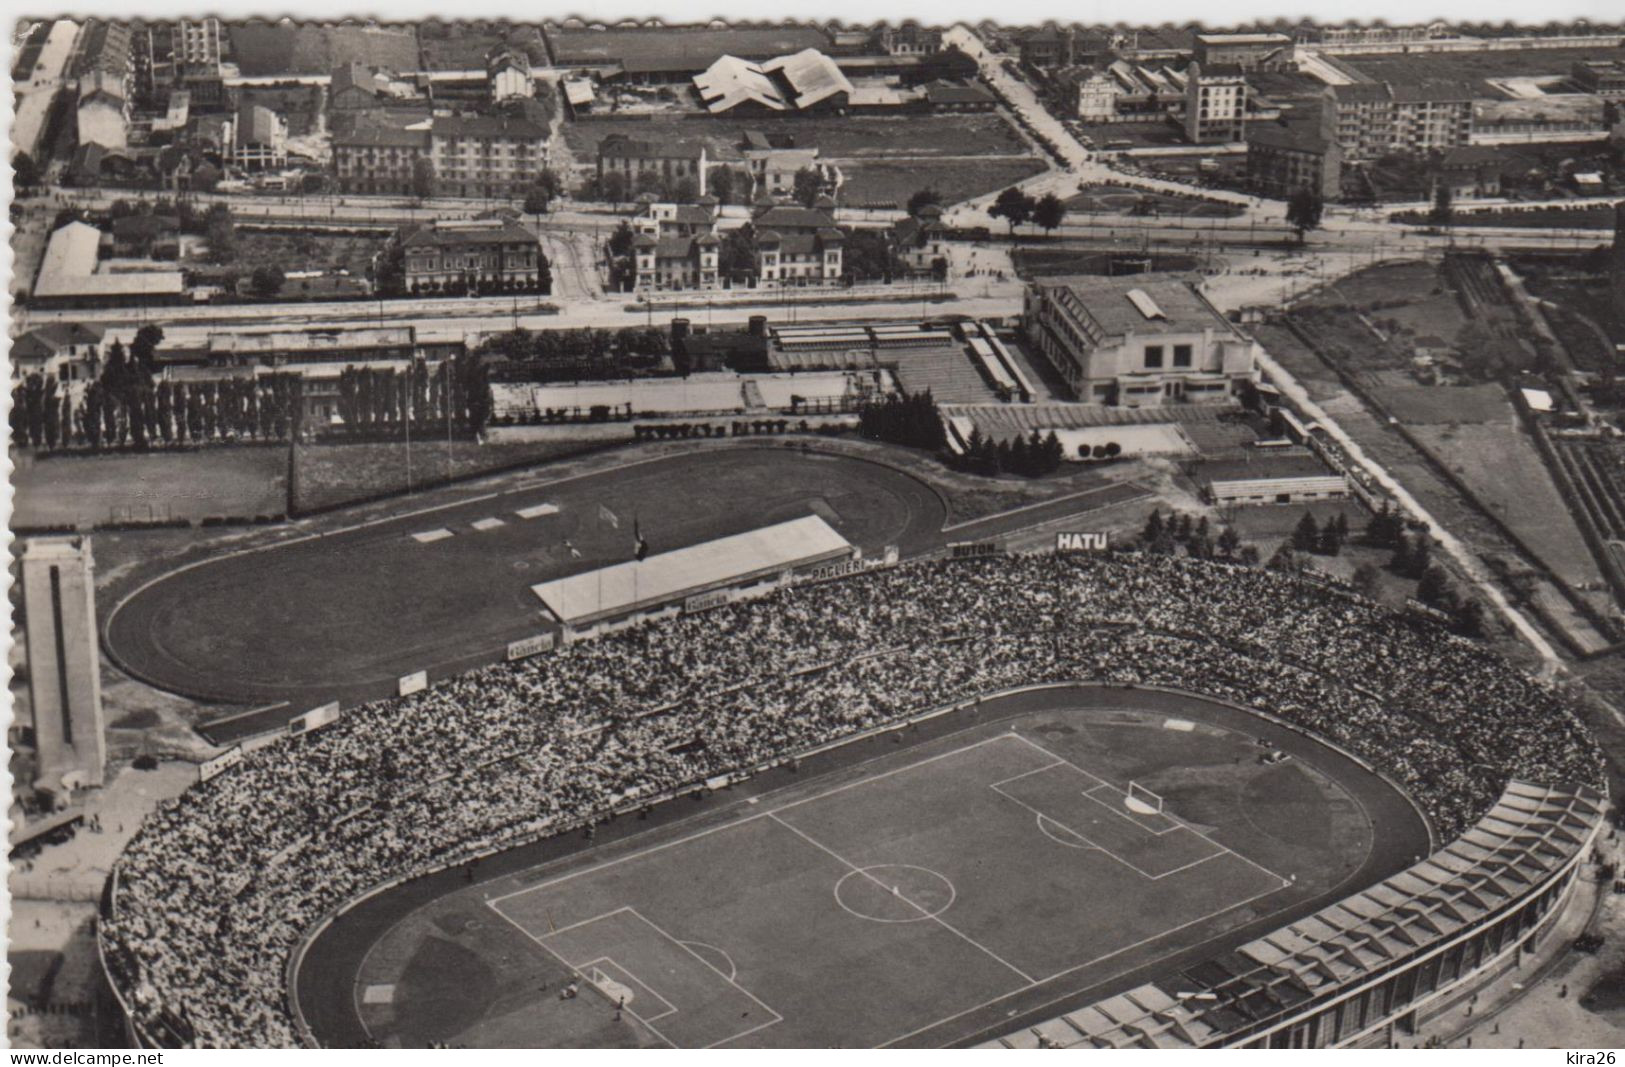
(213, 895)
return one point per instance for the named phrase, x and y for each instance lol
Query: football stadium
(799, 774)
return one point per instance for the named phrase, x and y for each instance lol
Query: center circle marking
(894, 893)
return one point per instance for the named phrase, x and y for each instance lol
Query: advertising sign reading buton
(220, 764)
(314, 718)
(973, 549)
(1074, 541)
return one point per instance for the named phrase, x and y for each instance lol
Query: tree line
(125, 408)
(457, 394)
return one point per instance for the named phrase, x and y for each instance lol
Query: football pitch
(992, 869)
(892, 898)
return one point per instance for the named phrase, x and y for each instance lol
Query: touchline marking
(1206, 837)
(927, 914)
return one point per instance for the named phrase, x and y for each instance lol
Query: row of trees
(456, 393)
(1018, 208)
(1166, 536)
(582, 354)
(903, 418)
(1032, 456)
(1321, 540)
(139, 416)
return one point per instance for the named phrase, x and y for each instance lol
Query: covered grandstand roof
(1530, 834)
(582, 599)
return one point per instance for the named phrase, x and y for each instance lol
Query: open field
(349, 612)
(1498, 462)
(891, 183)
(1122, 200)
(84, 490)
(861, 136)
(1403, 69)
(306, 251)
(988, 870)
(330, 475)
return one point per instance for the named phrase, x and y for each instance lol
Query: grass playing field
(921, 894)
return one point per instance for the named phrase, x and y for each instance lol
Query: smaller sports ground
(925, 895)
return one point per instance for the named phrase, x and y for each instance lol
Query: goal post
(1142, 799)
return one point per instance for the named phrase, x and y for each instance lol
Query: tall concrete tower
(64, 665)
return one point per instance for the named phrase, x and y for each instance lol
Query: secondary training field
(918, 898)
(342, 615)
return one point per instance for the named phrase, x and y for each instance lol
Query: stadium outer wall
(295, 962)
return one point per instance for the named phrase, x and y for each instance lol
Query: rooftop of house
(466, 232)
(620, 146)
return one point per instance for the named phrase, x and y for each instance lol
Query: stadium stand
(212, 897)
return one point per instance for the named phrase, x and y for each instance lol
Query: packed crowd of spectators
(219, 885)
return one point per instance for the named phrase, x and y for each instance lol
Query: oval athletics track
(328, 981)
(342, 615)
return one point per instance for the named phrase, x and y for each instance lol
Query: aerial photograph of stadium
(611, 533)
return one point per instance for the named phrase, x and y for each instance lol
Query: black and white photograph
(601, 530)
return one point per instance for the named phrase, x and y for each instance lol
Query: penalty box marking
(1180, 824)
(543, 939)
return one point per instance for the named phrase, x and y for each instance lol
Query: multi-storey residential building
(486, 155)
(1299, 151)
(798, 246)
(197, 60)
(1375, 119)
(1432, 117)
(671, 161)
(470, 155)
(1139, 341)
(1215, 104)
(1365, 120)
(485, 255)
(676, 246)
(1248, 51)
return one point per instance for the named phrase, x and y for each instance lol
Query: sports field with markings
(911, 899)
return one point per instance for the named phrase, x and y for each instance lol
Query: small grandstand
(710, 394)
(695, 578)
